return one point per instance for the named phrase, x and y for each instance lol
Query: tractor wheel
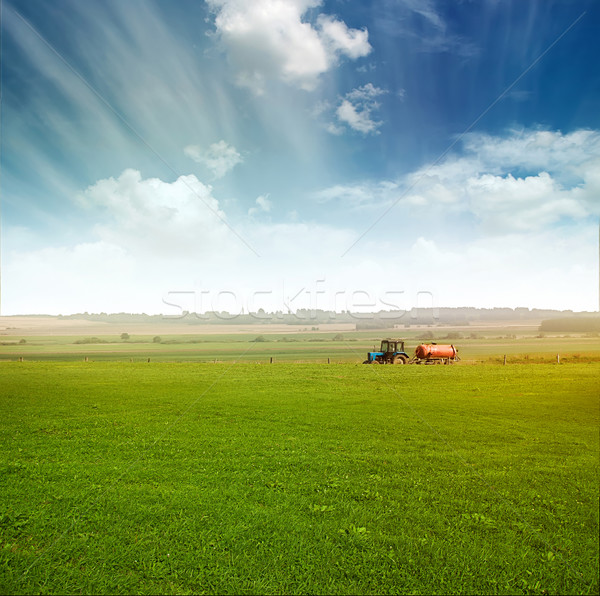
(399, 360)
(367, 362)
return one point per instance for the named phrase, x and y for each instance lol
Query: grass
(298, 478)
(292, 347)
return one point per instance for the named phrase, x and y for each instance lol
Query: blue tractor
(391, 352)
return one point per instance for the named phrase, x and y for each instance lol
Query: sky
(164, 156)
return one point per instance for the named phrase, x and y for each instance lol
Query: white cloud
(268, 39)
(356, 109)
(262, 205)
(522, 204)
(358, 120)
(179, 219)
(334, 129)
(336, 35)
(364, 68)
(525, 181)
(219, 158)
(366, 93)
(561, 154)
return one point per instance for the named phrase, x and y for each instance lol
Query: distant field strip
(249, 478)
(302, 347)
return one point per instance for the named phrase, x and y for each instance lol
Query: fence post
(504, 359)
(271, 361)
(328, 362)
(558, 359)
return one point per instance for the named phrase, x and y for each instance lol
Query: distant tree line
(379, 320)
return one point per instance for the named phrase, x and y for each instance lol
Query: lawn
(140, 477)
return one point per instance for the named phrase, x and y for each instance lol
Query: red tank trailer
(435, 354)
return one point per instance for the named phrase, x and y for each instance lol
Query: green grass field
(297, 347)
(236, 477)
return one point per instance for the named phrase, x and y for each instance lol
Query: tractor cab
(390, 352)
(392, 346)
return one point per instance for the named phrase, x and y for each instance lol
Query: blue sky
(236, 154)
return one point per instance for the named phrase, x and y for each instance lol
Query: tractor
(391, 352)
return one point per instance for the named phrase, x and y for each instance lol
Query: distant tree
(156, 339)
(259, 338)
(124, 336)
(338, 337)
(90, 340)
(453, 335)
(22, 341)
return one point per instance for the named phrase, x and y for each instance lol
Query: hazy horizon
(301, 312)
(284, 154)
